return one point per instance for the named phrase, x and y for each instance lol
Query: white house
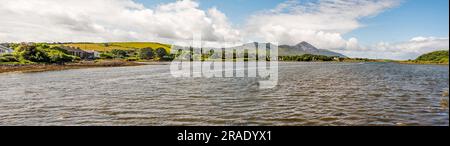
(5, 50)
(94, 53)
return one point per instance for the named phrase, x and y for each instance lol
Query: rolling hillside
(435, 57)
(102, 47)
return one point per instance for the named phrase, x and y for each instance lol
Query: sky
(387, 29)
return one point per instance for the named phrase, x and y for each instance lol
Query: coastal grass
(41, 67)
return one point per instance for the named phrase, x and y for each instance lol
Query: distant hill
(305, 48)
(284, 50)
(117, 45)
(435, 57)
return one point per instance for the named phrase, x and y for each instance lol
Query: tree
(119, 53)
(145, 53)
(161, 52)
(306, 57)
(179, 53)
(59, 49)
(42, 53)
(31, 53)
(56, 56)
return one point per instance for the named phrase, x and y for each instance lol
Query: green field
(105, 47)
(436, 57)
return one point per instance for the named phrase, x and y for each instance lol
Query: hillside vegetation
(106, 47)
(37, 53)
(55, 53)
(440, 57)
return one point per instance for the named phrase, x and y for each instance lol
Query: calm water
(307, 94)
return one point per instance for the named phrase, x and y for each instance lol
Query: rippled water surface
(307, 94)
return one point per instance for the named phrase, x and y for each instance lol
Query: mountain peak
(306, 45)
(305, 48)
(303, 43)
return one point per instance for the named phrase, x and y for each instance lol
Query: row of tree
(139, 54)
(43, 53)
(217, 54)
(38, 53)
(52, 54)
(306, 57)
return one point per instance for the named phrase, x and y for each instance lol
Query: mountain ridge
(305, 48)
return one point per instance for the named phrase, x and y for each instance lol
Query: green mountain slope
(435, 57)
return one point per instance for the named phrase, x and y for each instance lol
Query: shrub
(31, 53)
(42, 53)
(132, 59)
(306, 57)
(57, 56)
(106, 56)
(8, 58)
(169, 57)
(119, 53)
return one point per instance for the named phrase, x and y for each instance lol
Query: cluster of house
(5, 49)
(89, 54)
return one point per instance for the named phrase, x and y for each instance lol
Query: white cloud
(321, 23)
(352, 44)
(401, 50)
(109, 20)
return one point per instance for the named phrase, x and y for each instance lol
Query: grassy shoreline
(29, 68)
(422, 63)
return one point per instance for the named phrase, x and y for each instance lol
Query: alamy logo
(252, 60)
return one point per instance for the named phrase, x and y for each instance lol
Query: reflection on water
(307, 94)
